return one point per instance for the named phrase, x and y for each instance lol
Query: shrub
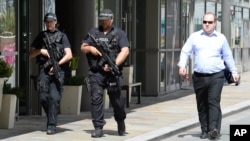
(5, 69)
(8, 89)
(74, 62)
(75, 81)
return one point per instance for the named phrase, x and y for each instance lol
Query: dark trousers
(50, 92)
(98, 84)
(208, 88)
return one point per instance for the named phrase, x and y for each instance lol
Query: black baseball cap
(105, 14)
(50, 17)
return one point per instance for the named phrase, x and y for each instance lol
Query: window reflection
(7, 35)
(170, 40)
(162, 71)
(218, 25)
(238, 25)
(198, 14)
(7, 18)
(49, 6)
(210, 7)
(163, 24)
(172, 72)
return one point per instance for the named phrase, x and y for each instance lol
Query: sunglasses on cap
(208, 22)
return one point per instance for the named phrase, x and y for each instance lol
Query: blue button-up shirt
(209, 52)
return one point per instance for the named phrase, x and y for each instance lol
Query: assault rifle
(53, 53)
(103, 48)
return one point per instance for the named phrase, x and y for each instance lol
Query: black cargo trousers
(98, 82)
(50, 93)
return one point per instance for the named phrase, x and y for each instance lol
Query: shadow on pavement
(37, 123)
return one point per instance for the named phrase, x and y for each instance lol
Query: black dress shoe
(51, 130)
(203, 135)
(121, 128)
(213, 134)
(97, 133)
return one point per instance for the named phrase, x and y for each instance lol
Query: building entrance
(124, 13)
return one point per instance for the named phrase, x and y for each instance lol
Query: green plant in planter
(74, 62)
(8, 89)
(75, 80)
(5, 69)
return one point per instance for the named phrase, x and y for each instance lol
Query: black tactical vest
(96, 62)
(56, 41)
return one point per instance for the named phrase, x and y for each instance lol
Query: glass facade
(240, 33)
(218, 15)
(163, 46)
(239, 18)
(170, 44)
(156, 30)
(8, 47)
(198, 14)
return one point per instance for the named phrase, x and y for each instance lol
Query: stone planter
(73, 72)
(1, 92)
(128, 79)
(8, 112)
(1, 99)
(86, 100)
(71, 100)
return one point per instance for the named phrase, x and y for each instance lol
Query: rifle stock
(102, 47)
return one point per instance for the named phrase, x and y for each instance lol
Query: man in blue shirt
(210, 50)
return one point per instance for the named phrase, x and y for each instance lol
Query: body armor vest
(96, 62)
(56, 43)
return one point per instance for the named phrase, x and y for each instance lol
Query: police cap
(105, 14)
(50, 17)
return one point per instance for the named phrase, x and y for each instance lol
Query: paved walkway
(155, 118)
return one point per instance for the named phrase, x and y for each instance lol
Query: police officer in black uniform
(100, 76)
(50, 86)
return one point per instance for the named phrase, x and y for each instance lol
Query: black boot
(97, 133)
(121, 128)
(51, 130)
(204, 135)
(213, 134)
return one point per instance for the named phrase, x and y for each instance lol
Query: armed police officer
(106, 48)
(52, 51)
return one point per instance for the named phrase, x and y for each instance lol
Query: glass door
(28, 28)
(23, 59)
(8, 46)
(124, 18)
(124, 13)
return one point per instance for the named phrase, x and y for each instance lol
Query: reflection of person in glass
(209, 48)
(163, 67)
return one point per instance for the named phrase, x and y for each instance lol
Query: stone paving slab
(155, 118)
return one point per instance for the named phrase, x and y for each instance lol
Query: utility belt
(43, 65)
(94, 70)
(112, 83)
(101, 71)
